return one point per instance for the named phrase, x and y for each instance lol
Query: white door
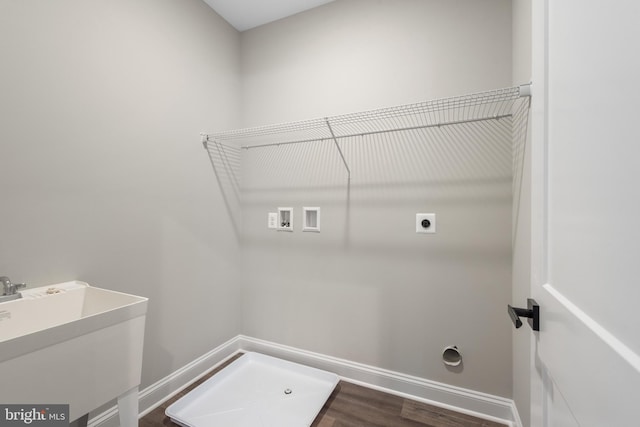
(586, 212)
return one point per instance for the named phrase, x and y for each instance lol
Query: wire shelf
(490, 105)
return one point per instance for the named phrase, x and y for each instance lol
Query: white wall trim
(154, 395)
(517, 421)
(459, 399)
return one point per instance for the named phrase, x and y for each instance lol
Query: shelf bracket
(335, 140)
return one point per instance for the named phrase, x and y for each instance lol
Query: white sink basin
(72, 343)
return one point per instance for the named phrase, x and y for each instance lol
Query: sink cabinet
(75, 344)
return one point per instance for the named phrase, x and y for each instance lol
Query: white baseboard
(466, 401)
(154, 395)
(516, 415)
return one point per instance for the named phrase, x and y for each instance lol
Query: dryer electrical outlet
(425, 223)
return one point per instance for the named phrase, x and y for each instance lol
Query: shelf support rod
(376, 132)
(335, 140)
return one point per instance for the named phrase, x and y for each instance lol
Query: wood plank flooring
(351, 405)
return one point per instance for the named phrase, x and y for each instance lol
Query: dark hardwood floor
(351, 405)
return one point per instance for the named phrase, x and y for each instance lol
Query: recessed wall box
(285, 219)
(311, 219)
(425, 223)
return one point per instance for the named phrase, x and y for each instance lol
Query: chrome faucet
(10, 289)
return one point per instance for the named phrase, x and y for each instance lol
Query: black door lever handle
(532, 312)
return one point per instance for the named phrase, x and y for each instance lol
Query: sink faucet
(10, 288)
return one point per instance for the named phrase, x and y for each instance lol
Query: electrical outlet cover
(272, 220)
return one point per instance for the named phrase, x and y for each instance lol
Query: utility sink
(71, 343)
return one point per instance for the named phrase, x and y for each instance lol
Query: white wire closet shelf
(490, 105)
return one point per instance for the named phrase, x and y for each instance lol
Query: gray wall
(522, 338)
(353, 55)
(367, 288)
(103, 176)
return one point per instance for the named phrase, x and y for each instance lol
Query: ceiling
(247, 14)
